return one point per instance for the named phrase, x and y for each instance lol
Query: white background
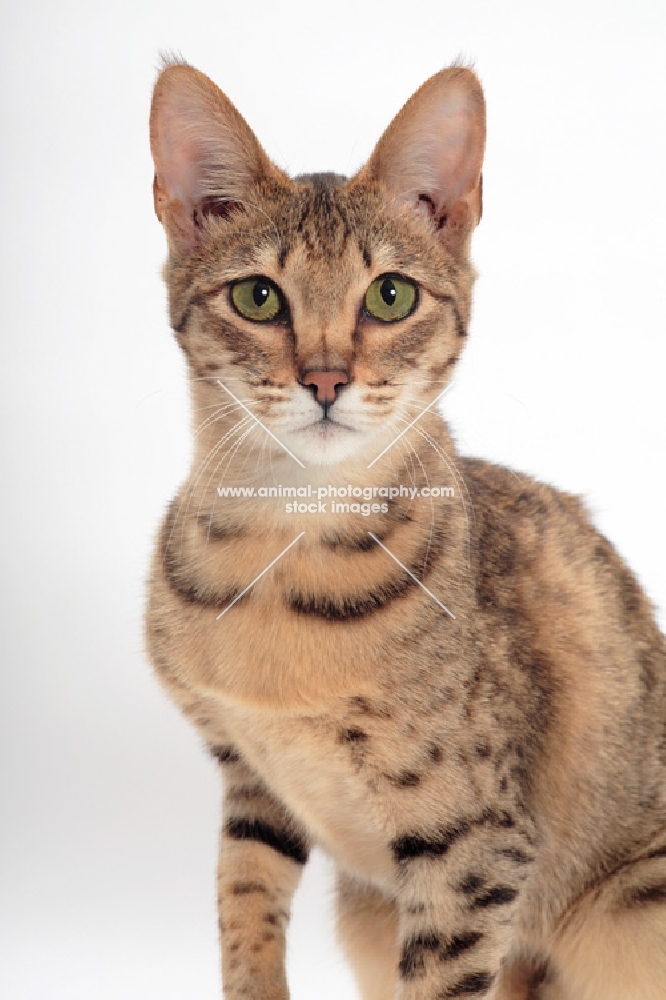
(110, 808)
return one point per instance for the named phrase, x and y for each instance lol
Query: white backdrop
(110, 809)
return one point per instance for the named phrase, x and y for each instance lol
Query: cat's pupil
(260, 293)
(388, 291)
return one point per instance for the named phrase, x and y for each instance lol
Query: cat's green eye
(257, 299)
(390, 297)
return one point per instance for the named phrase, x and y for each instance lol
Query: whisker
(192, 482)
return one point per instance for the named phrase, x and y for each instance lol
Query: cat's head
(333, 309)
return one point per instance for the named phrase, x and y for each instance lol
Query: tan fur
(491, 782)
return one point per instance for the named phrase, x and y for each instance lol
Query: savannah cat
(462, 700)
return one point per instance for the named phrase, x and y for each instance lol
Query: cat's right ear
(206, 157)
(430, 156)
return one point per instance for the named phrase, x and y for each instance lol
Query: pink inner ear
(448, 155)
(178, 159)
(431, 154)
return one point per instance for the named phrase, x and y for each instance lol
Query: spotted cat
(437, 670)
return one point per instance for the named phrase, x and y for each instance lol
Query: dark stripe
(460, 326)
(659, 853)
(219, 532)
(477, 982)
(412, 960)
(342, 609)
(347, 608)
(540, 976)
(284, 252)
(246, 793)
(514, 854)
(498, 896)
(459, 945)
(198, 299)
(225, 754)
(410, 847)
(646, 894)
(353, 543)
(416, 846)
(248, 888)
(180, 583)
(179, 327)
(287, 844)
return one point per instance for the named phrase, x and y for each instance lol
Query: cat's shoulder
(516, 496)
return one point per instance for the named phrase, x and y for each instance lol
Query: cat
(460, 697)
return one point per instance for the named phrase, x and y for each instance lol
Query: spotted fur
(487, 768)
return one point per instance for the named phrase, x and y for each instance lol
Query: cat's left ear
(431, 154)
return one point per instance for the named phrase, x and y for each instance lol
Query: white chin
(325, 443)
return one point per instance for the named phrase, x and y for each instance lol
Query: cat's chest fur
(356, 726)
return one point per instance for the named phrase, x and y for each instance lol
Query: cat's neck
(246, 479)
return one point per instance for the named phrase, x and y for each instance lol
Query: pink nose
(326, 383)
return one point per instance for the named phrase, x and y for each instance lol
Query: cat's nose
(326, 384)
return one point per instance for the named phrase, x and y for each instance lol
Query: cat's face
(333, 310)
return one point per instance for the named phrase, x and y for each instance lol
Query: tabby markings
(225, 754)
(646, 894)
(477, 982)
(287, 844)
(412, 962)
(414, 578)
(412, 846)
(498, 896)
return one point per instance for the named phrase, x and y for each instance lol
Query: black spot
(288, 844)
(225, 754)
(503, 784)
(471, 883)
(355, 735)
(482, 750)
(408, 779)
(477, 982)
(498, 896)
(435, 753)
(361, 705)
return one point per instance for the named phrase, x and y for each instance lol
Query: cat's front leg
(458, 892)
(262, 853)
